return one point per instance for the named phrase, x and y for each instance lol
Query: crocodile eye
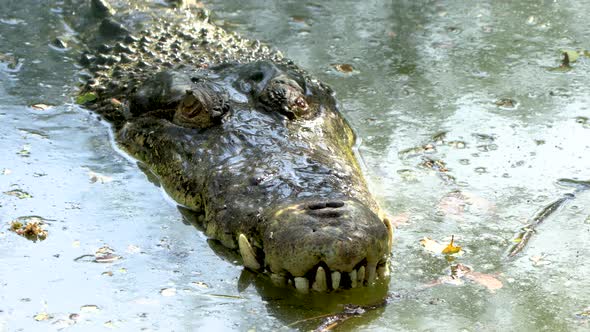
(301, 103)
(200, 108)
(284, 95)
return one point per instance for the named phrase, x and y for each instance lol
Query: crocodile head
(261, 152)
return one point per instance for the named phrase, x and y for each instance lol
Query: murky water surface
(465, 130)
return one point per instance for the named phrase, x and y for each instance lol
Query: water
(421, 68)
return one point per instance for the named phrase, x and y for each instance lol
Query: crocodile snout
(326, 244)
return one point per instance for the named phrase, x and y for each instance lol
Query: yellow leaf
(451, 249)
(42, 316)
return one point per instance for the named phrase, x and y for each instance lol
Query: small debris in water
(89, 308)
(459, 272)
(106, 254)
(103, 255)
(199, 284)
(18, 193)
(42, 316)
(109, 324)
(584, 314)
(457, 144)
(506, 103)
(343, 67)
(6, 171)
(30, 227)
(168, 291)
(435, 165)
(97, 177)
(539, 260)
(25, 151)
(41, 107)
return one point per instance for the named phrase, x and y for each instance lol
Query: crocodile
(239, 134)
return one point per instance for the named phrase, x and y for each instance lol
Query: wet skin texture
(240, 135)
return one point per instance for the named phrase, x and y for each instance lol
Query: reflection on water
(465, 131)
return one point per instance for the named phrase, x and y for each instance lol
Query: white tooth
(371, 271)
(302, 284)
(320, 284)
(361, 275)
(247, 253)
(278, 280)
(389, 227)
(383, 271)
(335, 280)
(352, 276)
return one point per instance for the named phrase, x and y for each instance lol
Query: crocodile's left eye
(202, 107)
(286, 96)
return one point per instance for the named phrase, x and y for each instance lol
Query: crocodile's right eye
(286, 96)
(201, 108)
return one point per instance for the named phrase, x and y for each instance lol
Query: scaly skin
(240, 135)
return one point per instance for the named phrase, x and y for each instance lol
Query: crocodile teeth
(361, 275)
(371, 273)
(352, 276)
(320, 284)
(302, 284)
(389, 227)
(383, 271)
(247, 253)
(335, 280)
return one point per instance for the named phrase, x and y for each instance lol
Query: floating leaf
(571, 55)
(343, 67)
(89, 308)
(20, 194)
(41, 107)
(32, 229)
(451, 248)
(42, 316)
(438, 248)
(86, 98)
(487, 280)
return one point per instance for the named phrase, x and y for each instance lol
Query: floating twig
(330, 321)
(527, 231)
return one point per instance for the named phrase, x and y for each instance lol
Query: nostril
(335, 204)
(316, 206)
(323, 205)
